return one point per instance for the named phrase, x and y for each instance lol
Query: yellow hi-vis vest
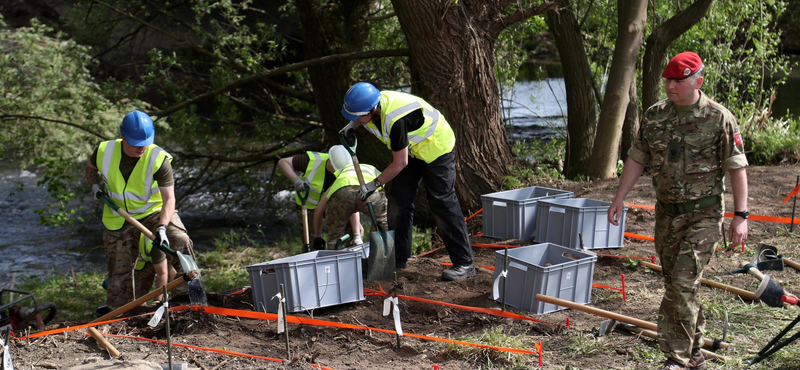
(315, 174)
(348, 177)
(145, 246)
(433, 139)
(139, 196)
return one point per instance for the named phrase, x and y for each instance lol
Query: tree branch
(381, 17)
(53, 120)
(523, 14)
(281, 70)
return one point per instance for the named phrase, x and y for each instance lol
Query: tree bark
(631, 125)
(631, 18)
(658, 42)
(452, 67)
(581, 106)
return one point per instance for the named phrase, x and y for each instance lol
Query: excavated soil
(363, 349)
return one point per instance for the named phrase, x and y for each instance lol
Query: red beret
(682, 65)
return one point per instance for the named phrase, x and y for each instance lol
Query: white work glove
(300, 184)
(349, 130)
(367, 189)
(97, 191)
(161, 236)
(357, 239)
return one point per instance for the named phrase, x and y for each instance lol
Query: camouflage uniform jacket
(689, 156)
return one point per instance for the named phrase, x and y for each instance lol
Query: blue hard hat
(359, 100)
(137, 128)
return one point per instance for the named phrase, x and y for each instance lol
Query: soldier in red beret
(690, 142)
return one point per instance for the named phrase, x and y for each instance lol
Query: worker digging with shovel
(136, 176)
(422, 145)
(342, 199)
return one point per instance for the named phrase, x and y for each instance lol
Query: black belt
(690, 205)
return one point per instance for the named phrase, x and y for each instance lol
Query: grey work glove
(349, 130)
(97, 191)
(161, 236)
(300, 184)
(367, 189)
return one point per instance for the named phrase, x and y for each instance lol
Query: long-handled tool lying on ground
(197, 291)
(776, 343)
(381, 265)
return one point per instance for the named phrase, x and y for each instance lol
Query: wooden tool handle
(357, 166)
(138, 302)
(741, 292)
(136, 223)
(753, 271)
(791, 263)
(305, 224)
(610, 315)
(101, 340)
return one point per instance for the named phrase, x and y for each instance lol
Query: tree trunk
(658, 42)
(452, 67)
(631, 125)
(632, 15)
(581, 106)
(334, 28)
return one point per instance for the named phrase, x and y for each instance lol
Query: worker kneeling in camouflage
(342, 198)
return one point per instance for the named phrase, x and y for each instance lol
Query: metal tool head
(766, 252)
(770, 292)
(606, 327)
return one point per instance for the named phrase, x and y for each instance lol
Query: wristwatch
(743, 214)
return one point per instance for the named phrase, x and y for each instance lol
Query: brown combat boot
(697, 361)
(671, 365)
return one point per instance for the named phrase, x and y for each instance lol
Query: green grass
(75, 299)
(484, 358)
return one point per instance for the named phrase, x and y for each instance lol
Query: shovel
(197, 291)
(304, 213)
(381, 263)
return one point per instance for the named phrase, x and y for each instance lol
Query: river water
(535, 108)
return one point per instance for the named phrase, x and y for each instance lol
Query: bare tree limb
(53, 120)
(523, 14)
(281, 70)
(277, 115)
(381, 17)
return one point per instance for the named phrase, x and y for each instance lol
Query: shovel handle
(135, 223)
(350, 148)
(138, 302)
(792, 263)
(740, 292)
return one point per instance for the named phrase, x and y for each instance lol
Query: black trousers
(439, 177)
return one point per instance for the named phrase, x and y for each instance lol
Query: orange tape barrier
(494, 246)
(423, 254)
(317, 322)
(780, 220)
(223, 351)
(641, 237)
(77, 327)
(476, 213)
(792, 193)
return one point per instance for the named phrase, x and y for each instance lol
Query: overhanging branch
(53, 120)
(281, 70)
(523, 14)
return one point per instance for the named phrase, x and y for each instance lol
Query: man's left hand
(367, 189)
(738, 230)
(161, 236)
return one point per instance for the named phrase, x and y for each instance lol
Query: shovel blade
(197, 292)
(381, 265)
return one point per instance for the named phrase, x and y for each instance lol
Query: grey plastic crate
(512, 214)
(362, 249)
(547, 269)
(311, 280)
(566, 221)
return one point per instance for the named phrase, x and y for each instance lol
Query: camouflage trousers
(122, 250)
(343, 203)
(685, 244)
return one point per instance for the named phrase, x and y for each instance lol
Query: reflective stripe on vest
(434, 138)
(145, 247)
(315, 175)
(348, 177)
(139, 196)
